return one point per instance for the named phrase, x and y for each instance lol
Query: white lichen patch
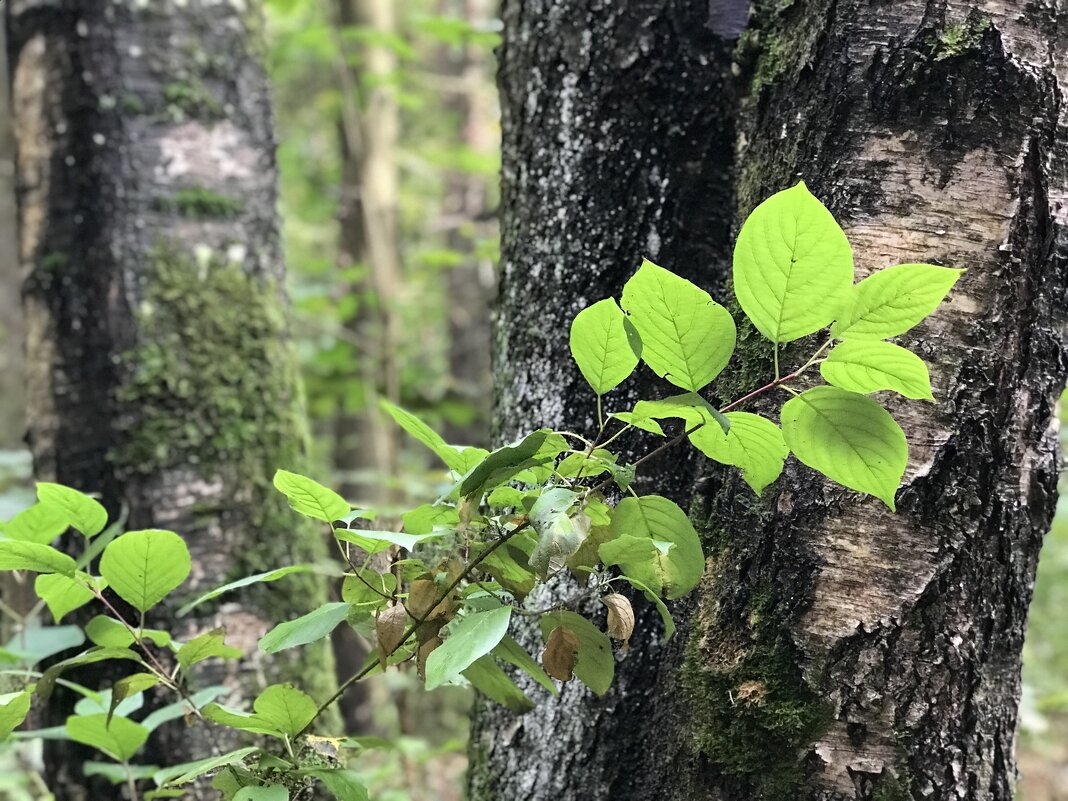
(195, 153)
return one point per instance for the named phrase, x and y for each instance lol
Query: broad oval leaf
(63, 594)
(82, 512)
(605, 345)
(305, 629)
(470, 638)
(655, 543)
(37, 558)
(120, 740)
(285, 708)
(793, 265)
(596, 664)
(209, 645)
(311, 498)
(753, 443)
(40, 523)
(142, 567)
(14, 707)
(891, 301)
(871, 365)
(686, 336)
(849, 438)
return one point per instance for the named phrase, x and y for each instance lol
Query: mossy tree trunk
(161, 371)
(838, 651)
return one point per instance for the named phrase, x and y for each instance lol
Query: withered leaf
(425, 650)
(561, 654)
(389, 629)
(620, 617)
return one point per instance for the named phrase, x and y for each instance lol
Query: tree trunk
(11, 383)
(161, 371)
(837, 650)
(618, 143)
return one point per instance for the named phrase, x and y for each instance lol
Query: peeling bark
(837, 651)
(152, 273)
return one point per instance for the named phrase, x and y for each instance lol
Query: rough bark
(11, 383)
(839, 651)
(161, 374)
(617, 144)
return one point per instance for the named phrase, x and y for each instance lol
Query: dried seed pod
(620, 617)
(389, 629)
(561, 654)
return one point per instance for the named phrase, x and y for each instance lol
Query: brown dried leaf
(389, 629)
(620, 617)
(561, 654)
(424, 651)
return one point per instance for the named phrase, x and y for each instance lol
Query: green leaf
(40, 523)
(142, 567)
(596, 664)
(426, 518)
(108, 632)
(120, 740)
(343, 784)
(179, 709)
(37, 643)
(754, 444)
(686, 336)
(63, 594)
(117, 774)
(688, 406)
(661, 607)
(285, 708)
(268, 792)
(367, 589)
(242, 721)
(643, 527)
(639, 421)
(82, 512)
(470, 637)
(306, 629)
(270, 575)
(18, 555)
(510, 564)
(510, 651)
(451, 456)
(849, 438)
(605, 345)
(539, 447)
(793, 265)
(311, 498)
(559, 535)
(209, 645)
(127, 687)
(14, 707)
(377, 541)
(186, 772)
(870, 366)
(891, 301)
(488, 678)
(47, 682)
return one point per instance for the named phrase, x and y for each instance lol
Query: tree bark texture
(838, 651)
(11, 384)
(161, 371)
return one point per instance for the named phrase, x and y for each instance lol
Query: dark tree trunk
(618, 143)
(161, 372)
(838, 651)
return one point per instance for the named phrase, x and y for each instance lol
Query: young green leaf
(424, 519)
(285, 708)
(184, 773)
(40, 523)
(47, 682)
(127, 688)
(267, 792)
(605, 345)
(305, 629)
(596, 665)
(559, 535)
(470, 637)
(793, 265)
(82, 512)
(871, 365)
(14, 707)
(451, 456)
(343, 784)
(849, 438)
(311, 498)
(656, 544)
(539, 447)
(18, 555)
(687, 406)
(510, 564)
(107, 632)
(142, 567)
(640, 422)
(64, 594)
(488, 678)
(891, 301)
(242, 721)
(270, 575)
(753, 443)
(120, 740)
(209, 645)
(686, 336)
(377, 541)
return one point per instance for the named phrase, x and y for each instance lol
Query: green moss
(199, 203)
(191, 99)
(54, 262)
(753, 715)
(958, 38)
(132, 105)
(214, 386)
